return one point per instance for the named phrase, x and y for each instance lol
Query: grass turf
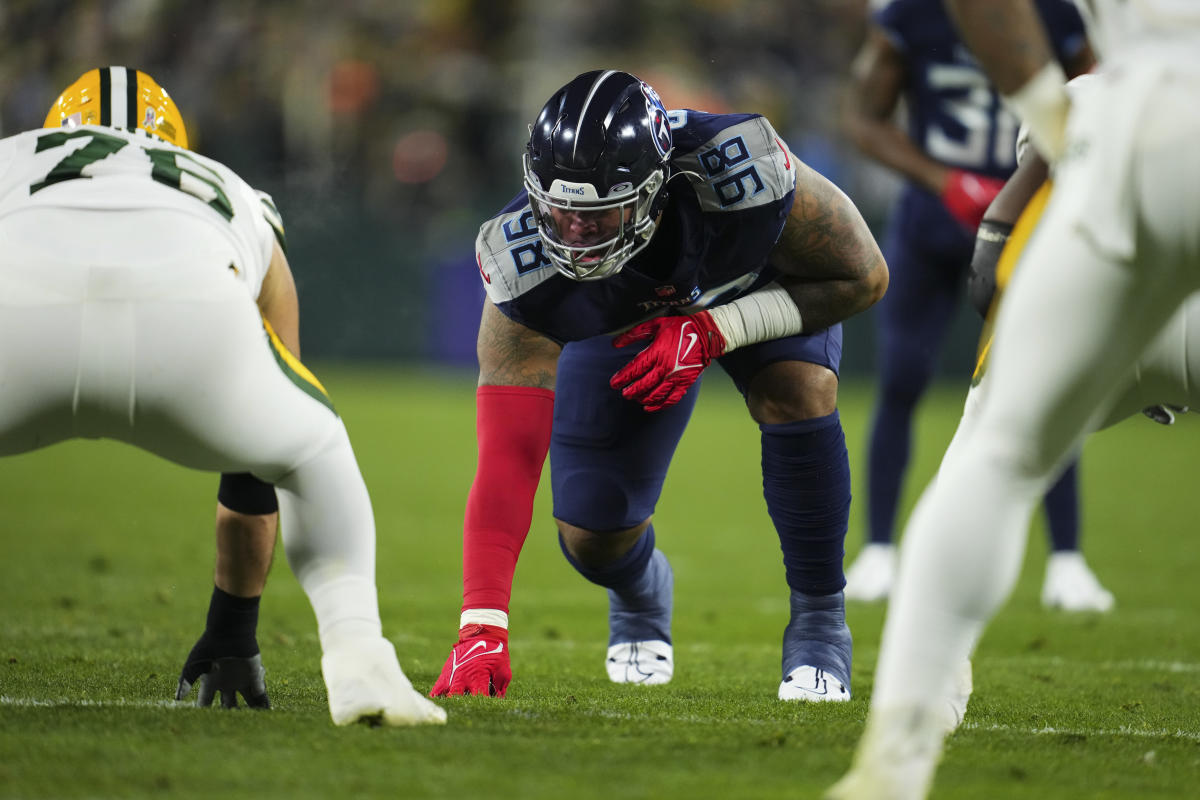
(106, 559)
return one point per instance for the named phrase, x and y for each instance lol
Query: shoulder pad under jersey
(508, 251)
(272, 216)
(740, 163)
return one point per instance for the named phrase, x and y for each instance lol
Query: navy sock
(640, 586)
(806, 483)
(887, 459)
(1062, 510)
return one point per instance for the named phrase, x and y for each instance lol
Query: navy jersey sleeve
(1065, 27)
(903, 21)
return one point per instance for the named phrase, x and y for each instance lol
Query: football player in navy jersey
(646, 245)
(954, 155)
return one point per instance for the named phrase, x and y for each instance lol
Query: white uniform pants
(1114, 257)
(132, 326)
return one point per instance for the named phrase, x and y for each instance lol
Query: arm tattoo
(831, 265)
(512, 355)
(825, 236)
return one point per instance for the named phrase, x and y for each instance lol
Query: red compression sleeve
(512, 426)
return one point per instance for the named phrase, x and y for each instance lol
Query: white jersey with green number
(91, 168)
(129, 271)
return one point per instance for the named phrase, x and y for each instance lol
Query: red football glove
(478, 664)
(967, 195)
(681, 347)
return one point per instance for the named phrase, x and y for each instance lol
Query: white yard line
(65, 702)
(968, 725)
(1140, 665)
(1122, 732)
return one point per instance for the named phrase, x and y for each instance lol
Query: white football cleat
(365, 683)
(869, 579)
(646, 663)
(1070, 585)
(813, 685)
(896, 757)
(958, 697)
(866, 783)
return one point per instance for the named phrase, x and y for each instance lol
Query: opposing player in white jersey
(1165, 381)
(1115, 255)
(129, 274)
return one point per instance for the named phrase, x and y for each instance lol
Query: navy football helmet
(598, 151)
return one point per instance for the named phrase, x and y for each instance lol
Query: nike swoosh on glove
(967, 196)
(679, 350)
(211, 664)
(478, 664)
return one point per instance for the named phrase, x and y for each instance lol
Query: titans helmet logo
(660, 125)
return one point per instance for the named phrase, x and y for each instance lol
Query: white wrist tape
(1042, 104)
(769, 313)
(483, 616)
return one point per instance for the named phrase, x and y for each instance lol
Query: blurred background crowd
(388, 130)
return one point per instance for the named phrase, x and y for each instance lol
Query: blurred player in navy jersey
(646, 245)
(954, 155)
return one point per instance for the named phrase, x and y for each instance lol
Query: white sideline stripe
(1123, 731)
(37, 702)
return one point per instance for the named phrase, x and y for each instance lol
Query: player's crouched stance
(155, 283)
(646, 245)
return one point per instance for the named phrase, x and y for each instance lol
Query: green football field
(105, 573)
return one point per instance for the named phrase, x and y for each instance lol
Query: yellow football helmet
(119, 97)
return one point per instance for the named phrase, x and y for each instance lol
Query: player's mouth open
(589, 256)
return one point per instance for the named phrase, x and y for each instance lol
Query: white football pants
(1114, 257)
(131, 326)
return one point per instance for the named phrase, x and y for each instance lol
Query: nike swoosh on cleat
(634, 665)
(820, 686)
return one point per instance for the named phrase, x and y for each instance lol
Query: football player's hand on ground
(477, 664)
(679, 350)
(223, 668)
